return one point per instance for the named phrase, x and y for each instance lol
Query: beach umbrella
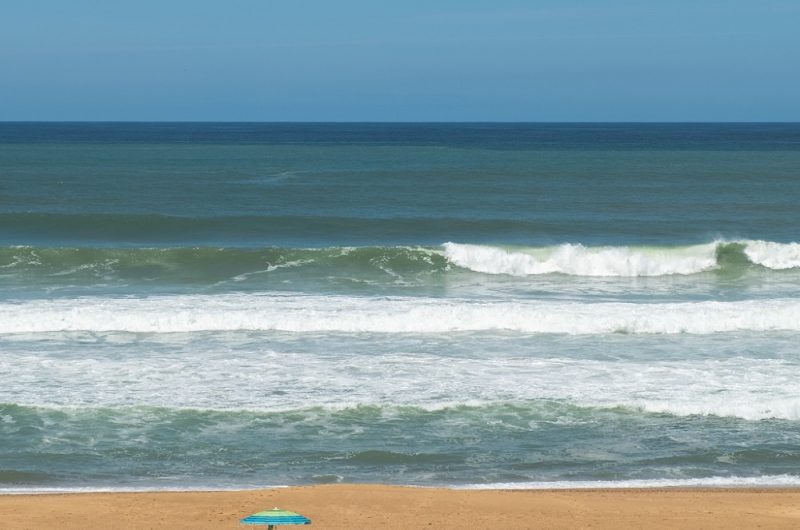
(274, 517)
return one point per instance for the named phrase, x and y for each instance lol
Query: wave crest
(773, 255)
(204, 265)
(623, 261)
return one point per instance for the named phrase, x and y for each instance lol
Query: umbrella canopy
(275, 517)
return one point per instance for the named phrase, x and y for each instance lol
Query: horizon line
(422, 122)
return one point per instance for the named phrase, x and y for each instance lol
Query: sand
(390, 507)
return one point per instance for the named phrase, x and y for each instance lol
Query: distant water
(516, 305)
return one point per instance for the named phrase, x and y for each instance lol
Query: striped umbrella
(274, 517)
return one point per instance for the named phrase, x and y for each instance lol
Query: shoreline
(766, 482)
(395, 507)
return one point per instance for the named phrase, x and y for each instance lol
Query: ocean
(235, 305)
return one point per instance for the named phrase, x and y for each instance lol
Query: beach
(395, 507)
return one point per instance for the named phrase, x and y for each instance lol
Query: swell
(298, 313)
(208, 264)
(106, 229)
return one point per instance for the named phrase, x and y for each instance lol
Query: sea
(472, 305)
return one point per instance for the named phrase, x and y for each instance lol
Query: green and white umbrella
(275, 517)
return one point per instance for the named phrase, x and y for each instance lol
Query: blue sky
(468, 60)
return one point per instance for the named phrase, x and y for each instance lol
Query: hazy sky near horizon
(411, 60)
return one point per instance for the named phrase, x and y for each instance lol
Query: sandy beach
(374, 506)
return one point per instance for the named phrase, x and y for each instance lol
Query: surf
(187, 265)
(622, 261)
(364, 314)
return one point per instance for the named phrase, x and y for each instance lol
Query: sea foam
(580, 260)
(773, 255)
(311, 313)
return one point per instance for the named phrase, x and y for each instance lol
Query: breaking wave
(580, 260)
(210, 265)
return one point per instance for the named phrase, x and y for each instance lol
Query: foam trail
(579, 260)
(305, 313)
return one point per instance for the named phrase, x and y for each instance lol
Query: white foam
(707, 482)
(773, 255)
(624, 261)
(578, 260)
(305, 313)
(243, 373)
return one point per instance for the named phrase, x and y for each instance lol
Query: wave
(206, 264)
(580, 260)
(521, 414)
(127, 446)
(210, 265)
(309, 313)
(773, 255)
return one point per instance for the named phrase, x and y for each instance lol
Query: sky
(403, 60)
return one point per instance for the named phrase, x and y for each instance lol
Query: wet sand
(392, 507)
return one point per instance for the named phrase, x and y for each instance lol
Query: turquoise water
(236, 305)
